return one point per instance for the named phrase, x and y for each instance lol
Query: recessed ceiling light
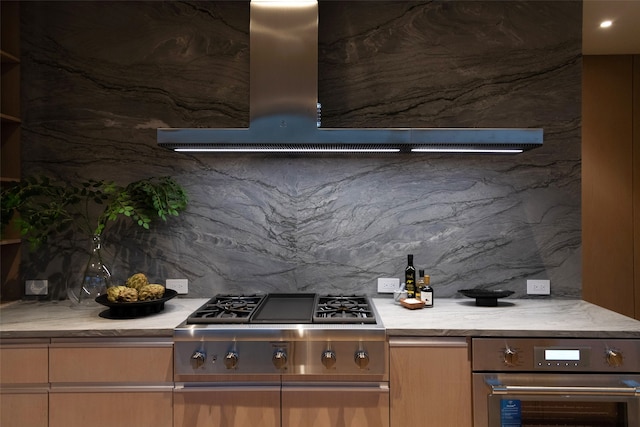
(606, 24)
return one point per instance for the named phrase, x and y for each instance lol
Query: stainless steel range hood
(284, 113)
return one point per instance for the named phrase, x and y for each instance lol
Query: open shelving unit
(10, 171)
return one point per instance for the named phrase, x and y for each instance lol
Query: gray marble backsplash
(99, 77)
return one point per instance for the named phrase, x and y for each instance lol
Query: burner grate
(344, 309)
(226, 309)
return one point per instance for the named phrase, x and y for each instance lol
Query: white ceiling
(622, 38)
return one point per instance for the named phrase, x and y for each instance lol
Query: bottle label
(427, 297)
(410, 284)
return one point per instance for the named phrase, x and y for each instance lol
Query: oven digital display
(559, 358)
(568, 355)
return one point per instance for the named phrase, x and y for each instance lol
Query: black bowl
(486, 297)
(131, 310)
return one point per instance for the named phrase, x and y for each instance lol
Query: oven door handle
(502, 389)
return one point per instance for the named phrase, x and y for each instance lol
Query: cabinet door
(90, 407)
(610, 182)
(24, 381)
(24, 409)
(111, 382)
(430, 382)
(227, 407)
(347, 406)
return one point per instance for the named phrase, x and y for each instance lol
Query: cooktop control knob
(231, 360)
(279, 358)
(197, 359)
(510, 356)
(362, 359)
(614, 358)
(328, 359)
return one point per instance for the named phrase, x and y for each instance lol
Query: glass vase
(96, 277)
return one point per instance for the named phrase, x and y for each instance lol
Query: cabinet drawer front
(24, 365)
(99, 409)
(24, 409)
(229, 407)
(121, 364)
(322, 406)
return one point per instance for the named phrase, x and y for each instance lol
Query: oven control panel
(559, 354)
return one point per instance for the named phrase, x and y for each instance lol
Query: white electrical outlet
(36, 287)
(538, 287)
(388, 285)
(181, 286)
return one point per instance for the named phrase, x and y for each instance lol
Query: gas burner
(233, 308)
(341, 304)
(226, 309)
(343, 309)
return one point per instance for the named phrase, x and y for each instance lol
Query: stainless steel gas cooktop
(297, 334)
(279, 308)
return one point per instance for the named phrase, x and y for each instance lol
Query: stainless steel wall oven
(521, 382)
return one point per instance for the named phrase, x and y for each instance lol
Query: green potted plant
(42, 208)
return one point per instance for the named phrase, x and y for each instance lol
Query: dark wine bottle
(427, 292)
(410, 278)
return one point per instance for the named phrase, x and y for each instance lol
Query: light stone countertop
(449, 317)
(62, 319)
(512, 317)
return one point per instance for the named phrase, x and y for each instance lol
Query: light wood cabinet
(303, 404)
(82, 407)
(24, 383)
(107, 382)
(430, 382)
(611, 182)
(233, 406)
(320, 405)
(10, 243)
(24, 362)
(24, 408)
(111, 361)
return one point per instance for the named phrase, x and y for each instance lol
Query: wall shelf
(9, 119)
(8, 57)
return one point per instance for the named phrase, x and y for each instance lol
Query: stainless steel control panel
(556, 354)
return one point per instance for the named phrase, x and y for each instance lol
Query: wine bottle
(410, 278)
(426, 293)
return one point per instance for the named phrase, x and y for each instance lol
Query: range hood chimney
(284, 109)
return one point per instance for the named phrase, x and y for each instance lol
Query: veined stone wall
(100, 77)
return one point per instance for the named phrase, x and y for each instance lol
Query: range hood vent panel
(284, 94)
(284, 59)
